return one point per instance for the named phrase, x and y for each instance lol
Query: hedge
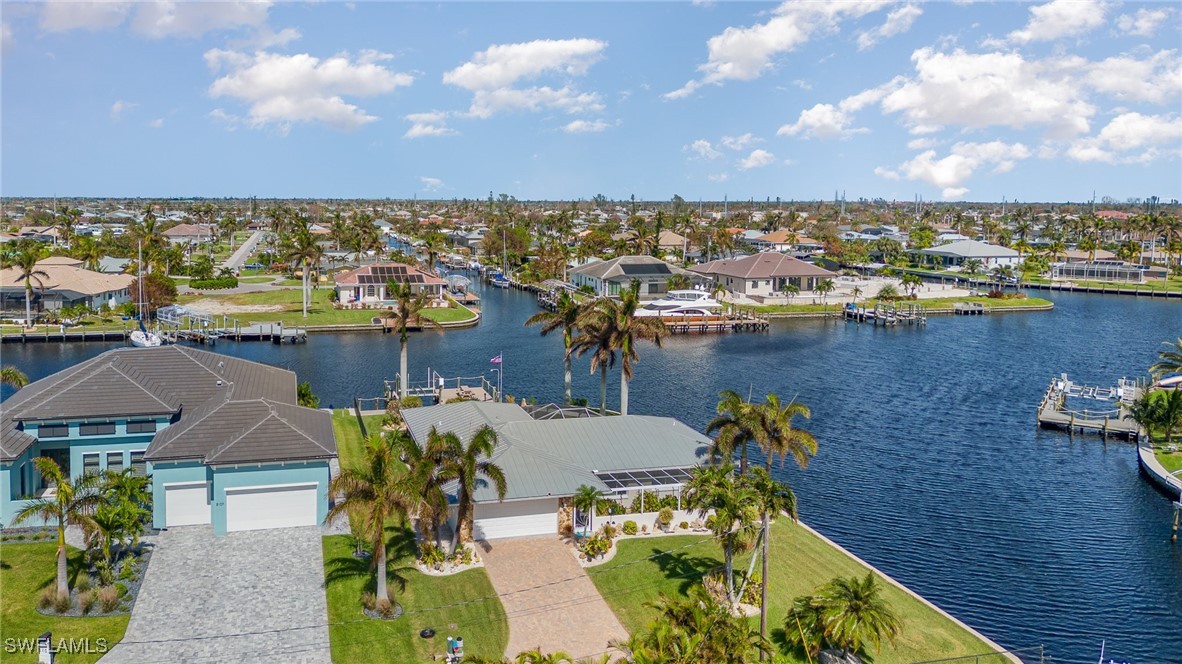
(214, 284)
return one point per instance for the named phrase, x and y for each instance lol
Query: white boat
(499, 281)
(141, 339)
(682, 303)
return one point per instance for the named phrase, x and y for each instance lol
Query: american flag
(496, 360)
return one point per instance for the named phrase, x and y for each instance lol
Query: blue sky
(950, 100)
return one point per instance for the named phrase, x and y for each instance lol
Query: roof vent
(219, 382)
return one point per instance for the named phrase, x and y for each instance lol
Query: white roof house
(956, 253)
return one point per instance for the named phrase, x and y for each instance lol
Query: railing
(1031, 654)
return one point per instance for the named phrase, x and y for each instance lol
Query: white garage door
(186, 504)
(258, 507)
(516, 519)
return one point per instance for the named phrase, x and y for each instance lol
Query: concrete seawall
(1169, 483)
(937, 311)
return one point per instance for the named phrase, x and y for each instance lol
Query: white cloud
(950, 173)
(1131, 137)
(64, 16)
(718, 177)
(897, 22)
(431, 184)
(433, 123)
(744, 54)
(584, 126)
(740, 142)
(264, 37)
(286, 89)
(820, 121)
(1144, 23)
(492, 74)
(1060, 18)
(704, 149)
(118, 108)
(193, 19)
(5, 37)
(1156, 79)
(157, 123)
(229, 120)
(757, 159)
(921, 143)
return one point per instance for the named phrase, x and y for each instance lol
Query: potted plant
(664, 518)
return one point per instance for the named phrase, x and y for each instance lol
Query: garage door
(258, 507)
(186, 504)
(516, 519)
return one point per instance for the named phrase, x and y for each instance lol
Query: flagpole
(501, 376)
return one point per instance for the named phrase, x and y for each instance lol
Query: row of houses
(64, 283)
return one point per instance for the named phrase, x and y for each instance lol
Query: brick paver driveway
(244, 597)
(550, 600)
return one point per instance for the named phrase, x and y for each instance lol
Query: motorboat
(499, 280)
(144, 339)
(681, 304)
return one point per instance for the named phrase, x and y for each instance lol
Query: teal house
(222, 439)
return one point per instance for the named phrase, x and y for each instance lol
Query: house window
(53, 430)
(369, 291)
(138, 464)
(144, 426)
(90, 463)
(104, 429)
(115, 462)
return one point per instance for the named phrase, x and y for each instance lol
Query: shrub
(609, 531)
(411, 402)
(431, 555)
(46, 598)
(127, 571)
(121, 589)
(608, 507)
(684, 525)
(61, 602)
(629, 527)
(106, 573)
(996, 294)
(386, 608)
(652, 502)
(86, 601)
(83, 583)
(579, 401)
(644, 528)
(665, 517)
(368, 600)
(214, 284)
(751, 594)
(709, 522)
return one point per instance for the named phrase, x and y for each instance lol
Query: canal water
(930, 465)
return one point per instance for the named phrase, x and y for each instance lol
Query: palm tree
(778, 437)
(465, 464)
(690, 630)
(680, 281)
(791, 290)
(595, 337)
(1159, 411)
(422, 463)
(89, 252)
(13, 377)
(856, 615)
(971, 266)
(824, 287)
(584, 500)
(566, 316)
(735, 509)
(147, 233)
(738, 423)
(773, 498)
(1169, 360)
(888, 292)
(911, 282)
(617, 321)
(24, 259)
(304, 251)
(374, 492)
(73, 504)
(856, 292)
(407, 310)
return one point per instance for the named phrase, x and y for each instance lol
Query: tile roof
(969, 249)
(69, 277)
(398, 271)
(764, 265)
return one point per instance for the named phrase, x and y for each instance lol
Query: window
(104, 429)
(138, 464)
(53, 430)
(369, 291)
(146, 426)
(115, 462)
(90, 463)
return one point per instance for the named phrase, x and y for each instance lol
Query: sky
(954, 100)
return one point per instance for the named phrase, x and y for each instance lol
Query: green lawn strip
(24, 570)
(800, 562)
(321, 311)
(356, 638)
(932, 303)
(449, 314)
(1171, 461)
(256, 280)
(349, 441)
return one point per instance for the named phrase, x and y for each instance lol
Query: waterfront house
(956, 253)
(367, 285)
(190, 233)
(67, 284)
(612, 276)
(546, 460)
(762, 275)
(222, 439)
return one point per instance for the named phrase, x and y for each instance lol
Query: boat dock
(887, 316)
(969, 309)
(1110, 417)
(59, 336)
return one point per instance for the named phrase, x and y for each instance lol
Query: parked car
(254, 266)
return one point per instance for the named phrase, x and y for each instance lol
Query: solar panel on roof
(653, 268)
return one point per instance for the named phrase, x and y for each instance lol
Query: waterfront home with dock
(222, 439)
(367, 285)
(762, 275)
(610, 277)
(67, 284)
(956, 253)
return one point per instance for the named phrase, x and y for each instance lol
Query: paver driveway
(244, 597)
(549, 599)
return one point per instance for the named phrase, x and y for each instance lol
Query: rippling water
(930, 465)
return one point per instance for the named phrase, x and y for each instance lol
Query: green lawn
(800, 562)
(321, 311)
(1172, 462)
(428, 601)
(348, 435)
(933, 303)
(24, 570)
(450, 315)
(256, 280)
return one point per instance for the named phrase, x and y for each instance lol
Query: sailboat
(501, 279)
(142, 338)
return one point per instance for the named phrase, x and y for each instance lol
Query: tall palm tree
(619, 323)
(566, 316)
(407, 310)
(1169, 360)
(595, 337)
(148, 233)
(1159, 411)
(680, 281)
(773, 498)
(778, 438)
(855, 614)
(24, 259)
(736, 512)
(422, 462)
(88, 251)
(374, 492)
(738, 423)
(466, 464)
(73, 504)
(304, 251)
(13, 377)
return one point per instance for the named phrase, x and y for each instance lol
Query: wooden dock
(969, 309)
(46, 336)
(886, 316)
(1110, 418)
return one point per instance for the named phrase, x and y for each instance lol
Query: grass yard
(800, 562)
(24, 570)
(452, 314)
(321, 311)
(356, 638)
(350, 445)
(1171, 461)
(256, 280)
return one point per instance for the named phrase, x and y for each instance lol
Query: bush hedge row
(214, 284)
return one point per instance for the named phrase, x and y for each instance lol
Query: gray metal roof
(554, 457)
(627, 267)
(215, 401)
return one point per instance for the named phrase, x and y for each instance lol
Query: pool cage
(1111, 271)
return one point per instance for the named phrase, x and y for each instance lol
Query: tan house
(67, 284)
(367, 285)
(763, 274)
(613, 276)
(190, 233)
